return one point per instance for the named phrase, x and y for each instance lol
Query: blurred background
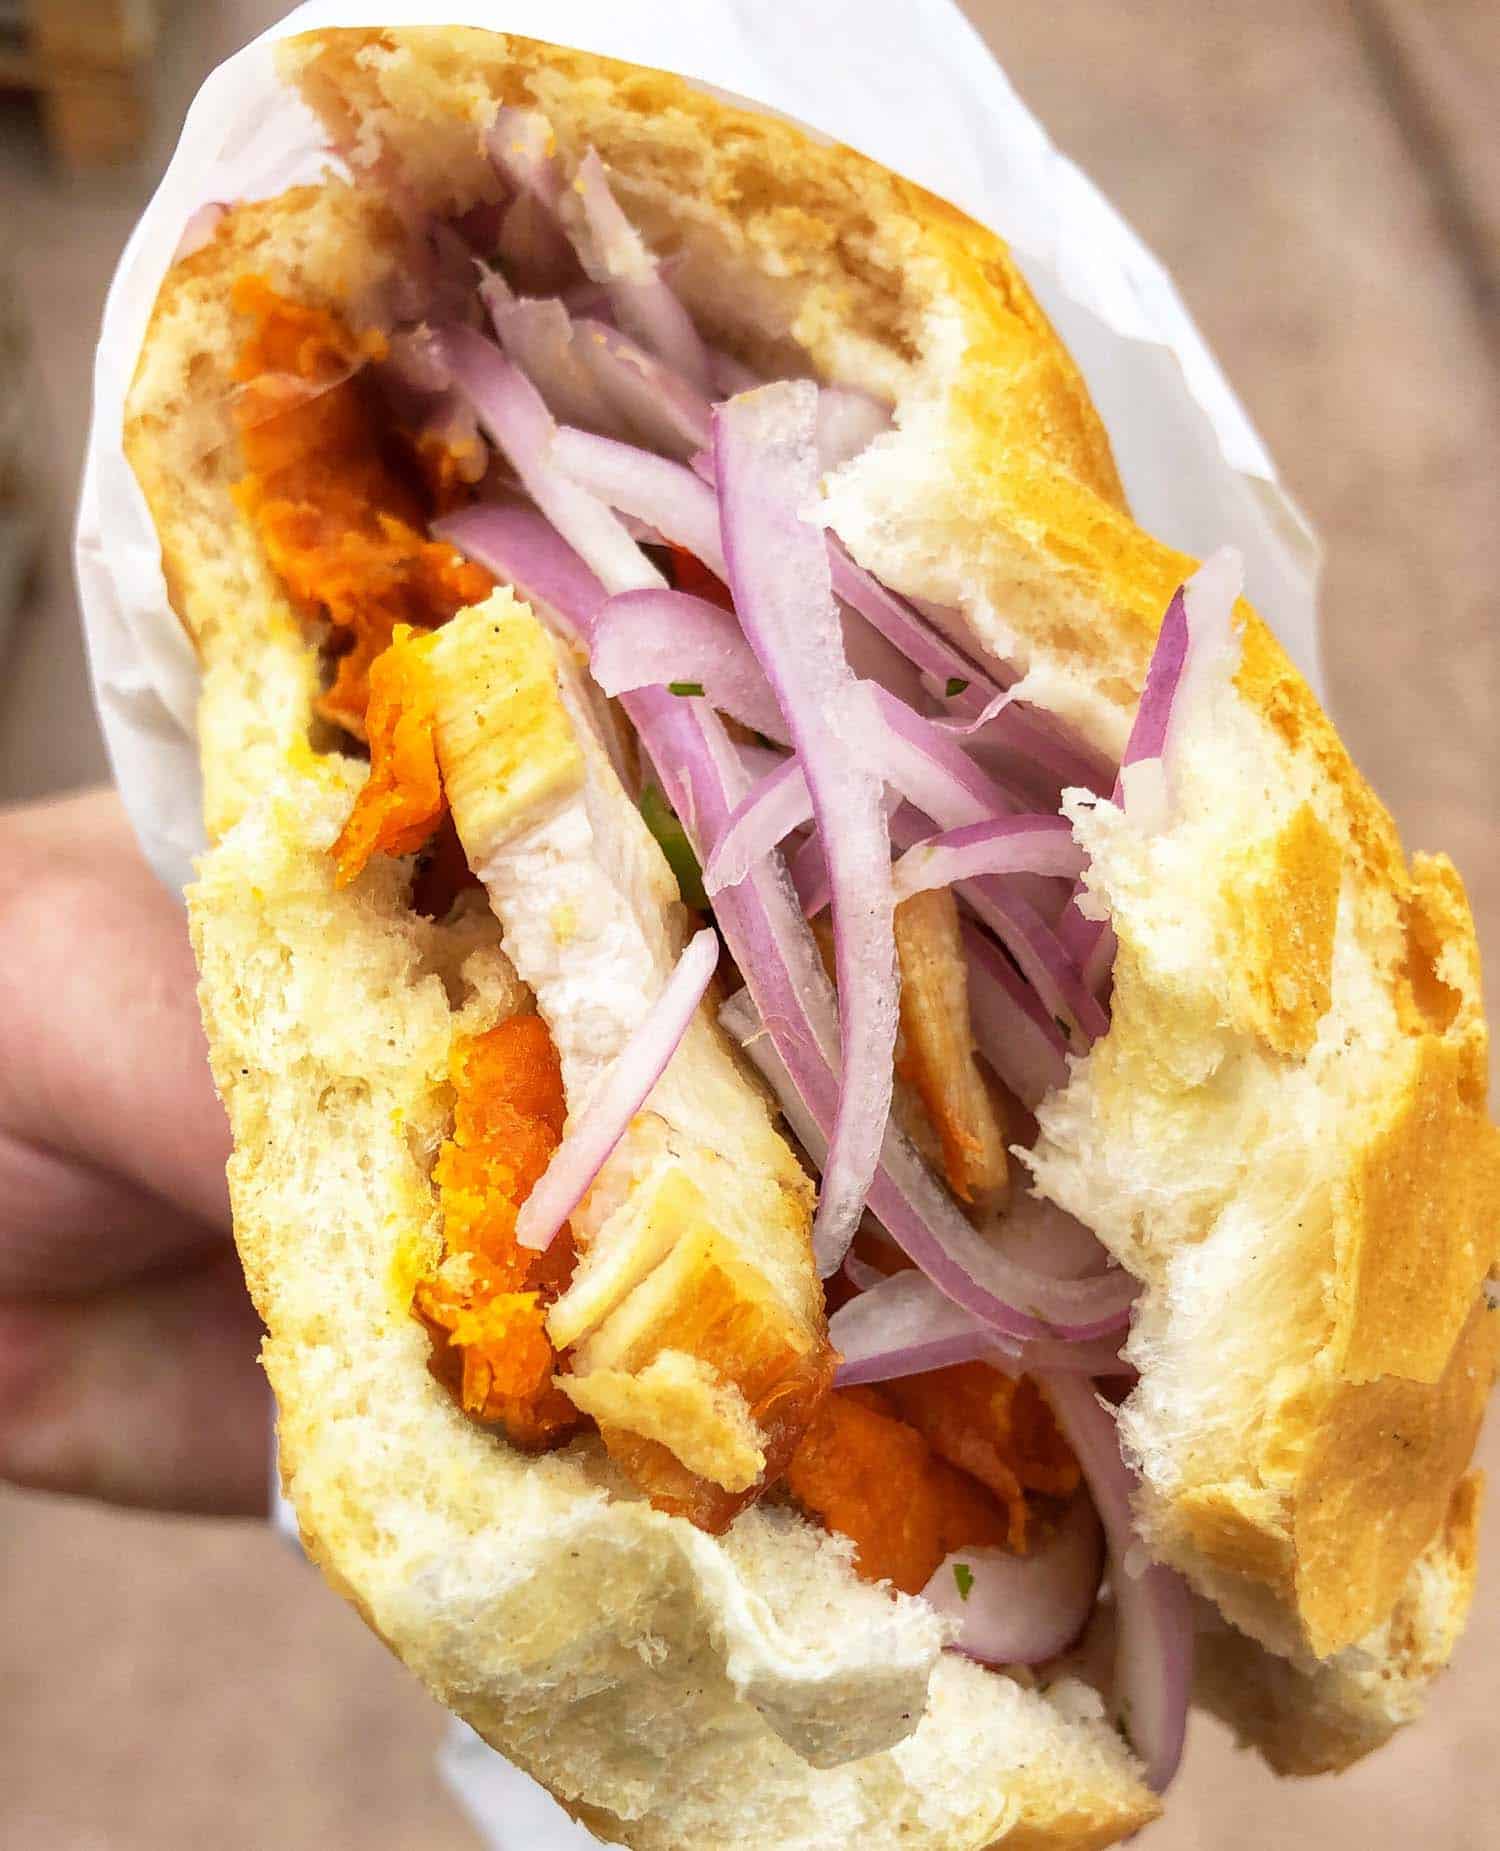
(1323, 179)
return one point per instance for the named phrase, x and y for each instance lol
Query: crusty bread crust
(1297, 1046)
(1310, 1718)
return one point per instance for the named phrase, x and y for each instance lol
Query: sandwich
(865, 1163)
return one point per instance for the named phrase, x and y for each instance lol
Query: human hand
(128, 1344)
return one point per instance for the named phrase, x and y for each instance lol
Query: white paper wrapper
(907, 83)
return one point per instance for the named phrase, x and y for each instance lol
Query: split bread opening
(1281, 1133)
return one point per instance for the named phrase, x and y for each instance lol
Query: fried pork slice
(694, 1321)
(936, 1056)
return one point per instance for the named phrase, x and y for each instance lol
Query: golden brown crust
(1379, 1476)
(1384, 1435)
(1372, 1449)
(1288, 899)
(1319, 1719)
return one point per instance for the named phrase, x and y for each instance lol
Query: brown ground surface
(1322, 178)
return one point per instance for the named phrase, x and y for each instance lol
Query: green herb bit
(956, 686)
(661, 819)
(963, 1579)
(690, 690)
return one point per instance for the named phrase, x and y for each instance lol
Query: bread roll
(1283, 1134)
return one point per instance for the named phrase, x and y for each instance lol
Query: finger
(102, 1054)
(150, 1395)
(66, 1227)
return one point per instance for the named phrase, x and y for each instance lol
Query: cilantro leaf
(661, 819)
(690, 690)
(956, 685)
(963, 1579)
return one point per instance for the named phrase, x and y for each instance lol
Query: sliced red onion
(1209, 596)
(650, 639)
(531, 239)
(1089, 944)
(617, 1096)
(1015, 738)
(666, 495)
(929, 766)
(522, 147)
(1035, 946)
(777, 563)
(758, 824)
(759, 761)
(1028, 740)
(892, 620)
(1005, 845)
(930, 1229)
(919, 1215)
(676, 504)
(809, 866)
(538, 337)
(1148, 732)
(910, 829)
(1154, 1654)
(918, 759)
(1023, 1609)
(975, 703)
(739, 1018)
(1194, 644)
(1099, 961)
(902, 1325)
(644, 305)
(1195, 637)
(900, 625)
(494, 292)
(1011, 1029)
(588, 299)
(923, 760)
(809, 871)
(640, 531)
(874, 659)
(680, 504)
(1039, 1234)
(860, 1274)
(523, 549)
(848, 422)
(513, 413)
(1024, 931)
(656, 402)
